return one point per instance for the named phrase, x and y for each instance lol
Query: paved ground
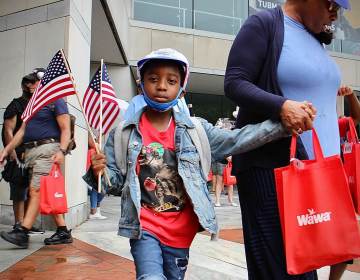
(98, 253)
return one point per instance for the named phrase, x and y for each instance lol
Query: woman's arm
(245, 64)
(16, 141)
(9, 127)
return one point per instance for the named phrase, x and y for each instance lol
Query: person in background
(95, 196)
(217, 169)
(353, 102)
(230, 189)
(12, 123)
(46, 137)
(337, 270)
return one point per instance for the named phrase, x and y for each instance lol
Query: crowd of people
(159, 157)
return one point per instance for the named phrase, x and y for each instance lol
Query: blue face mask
(157, 106)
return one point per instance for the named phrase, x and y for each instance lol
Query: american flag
(55, 84)
(91, 101)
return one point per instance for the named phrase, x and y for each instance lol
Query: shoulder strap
(121, 143)
(201, 142)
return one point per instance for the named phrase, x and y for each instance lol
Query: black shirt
(15, 108)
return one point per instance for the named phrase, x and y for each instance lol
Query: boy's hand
(98, 163)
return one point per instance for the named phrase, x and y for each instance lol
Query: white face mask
(329, 28)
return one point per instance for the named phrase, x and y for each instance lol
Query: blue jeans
(95, 198)
(155, 261)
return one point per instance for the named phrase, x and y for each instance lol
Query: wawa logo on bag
(313, 218)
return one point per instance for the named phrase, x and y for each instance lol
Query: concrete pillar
(30, 34)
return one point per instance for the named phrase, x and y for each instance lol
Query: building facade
(123, 31)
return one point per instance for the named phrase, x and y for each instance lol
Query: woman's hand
(297, 116)
(58, 157)
(98, 163)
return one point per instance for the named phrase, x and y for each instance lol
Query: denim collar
(181, 119)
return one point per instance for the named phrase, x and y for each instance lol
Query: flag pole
(101, 117)
(83, 111)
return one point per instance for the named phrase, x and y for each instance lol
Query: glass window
(170, 12)
(348, 29)
(224, 16)
(210, 107)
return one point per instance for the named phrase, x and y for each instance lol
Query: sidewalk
(98, 253)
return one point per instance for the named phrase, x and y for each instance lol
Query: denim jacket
(222, 143)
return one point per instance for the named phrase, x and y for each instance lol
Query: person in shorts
(217, 169)
(12, 123)
(46, 137)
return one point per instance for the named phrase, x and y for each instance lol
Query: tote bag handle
(316, 146)
(55, 170)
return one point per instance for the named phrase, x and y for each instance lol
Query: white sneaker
(98, 212)
(233, 204)
(217, 204)
(97, 216)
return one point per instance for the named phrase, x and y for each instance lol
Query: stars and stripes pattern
(91, 101)
(55, 84)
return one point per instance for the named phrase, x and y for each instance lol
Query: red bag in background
(52, 192)
(227, 177)
(317, 216)
(351, 155)
(210, 176)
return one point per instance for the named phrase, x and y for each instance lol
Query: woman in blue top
(276, 62)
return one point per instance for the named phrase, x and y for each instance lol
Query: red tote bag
(52, 192)
(227, 177)
(351, 156)
(317, 216)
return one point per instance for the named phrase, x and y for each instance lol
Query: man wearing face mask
(12, 123)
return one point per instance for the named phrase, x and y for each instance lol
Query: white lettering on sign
(265, 4)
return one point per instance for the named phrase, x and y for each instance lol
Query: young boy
(165, 200)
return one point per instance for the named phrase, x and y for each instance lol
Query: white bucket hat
(166, 54)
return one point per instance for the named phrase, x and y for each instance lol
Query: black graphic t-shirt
(161, 186)
(166, 210)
